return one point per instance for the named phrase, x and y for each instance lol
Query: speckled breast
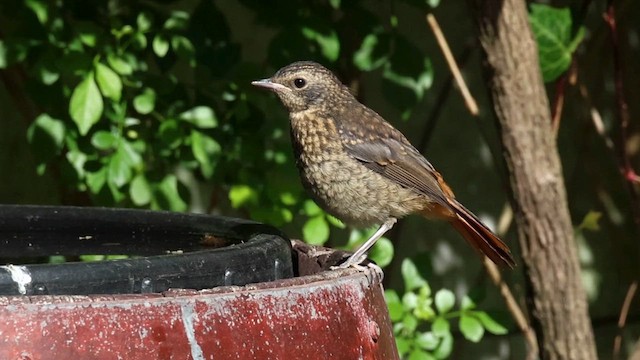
(340, 184)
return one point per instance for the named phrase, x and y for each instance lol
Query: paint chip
(20, 275)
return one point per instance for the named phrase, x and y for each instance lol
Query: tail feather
(479, 236)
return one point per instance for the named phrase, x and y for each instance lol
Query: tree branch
(556, 299)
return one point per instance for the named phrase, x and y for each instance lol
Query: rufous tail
(479, 236)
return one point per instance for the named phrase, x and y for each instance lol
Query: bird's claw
(352, 263)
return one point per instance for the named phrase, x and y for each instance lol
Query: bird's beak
(268, 84)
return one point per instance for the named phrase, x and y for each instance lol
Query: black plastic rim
(177, 251)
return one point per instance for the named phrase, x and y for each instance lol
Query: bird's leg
(360, 255)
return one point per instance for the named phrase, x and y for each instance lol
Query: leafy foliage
(552, 29)
(147, 106)
(419, 307)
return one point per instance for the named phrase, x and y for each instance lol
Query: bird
(359, 168)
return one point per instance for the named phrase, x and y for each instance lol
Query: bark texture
(556, 299)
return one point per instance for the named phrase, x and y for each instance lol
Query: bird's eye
(299, 83)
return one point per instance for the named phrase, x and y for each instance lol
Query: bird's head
(303, 85)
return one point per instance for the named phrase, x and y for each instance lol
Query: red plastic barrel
(324, 315)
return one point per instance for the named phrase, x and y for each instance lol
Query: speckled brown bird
(361, 169)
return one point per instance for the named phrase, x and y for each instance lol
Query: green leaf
(4, 60)
(391, 296)
(119, 170)
(467, 303)
(123, 31)
(288, 198)
(204, 149)
(139, 40)
(46, 72)
(177, 21)
(369, 57)
(316, 230)
(440, 327)
(118, 64)
(200, 116)
(96, 180)
(109, 82)
(14, 50)
(77, 159)
(54, 128)
(445, 299)
(409, 300)
(412, 279)
(183, 47)
(285, 214)
(471, 328)
(104, 140)
(87, 34)
(552, 29)
(445, 348)
(311, 209)
(115, 192)
(329, 43)
(131, 153)
(410, 323)
(424, 310)
(418, 354)
(39, 8)
(403, 345)
(46, 136)
(337, 223)
(491, 325)
(145, 102)
(91, 258)
(241, 195)
(140, 190)
(86, 104)
(170, 134)
(160, 45)
(57, 259)
(425, 292)
(167, 195)
(591, 221)
(418, 84)
(396, 310)
(144, 21)
(427, 340)
(357, 237)
(382, 252)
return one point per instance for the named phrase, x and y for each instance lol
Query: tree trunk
(556, 298)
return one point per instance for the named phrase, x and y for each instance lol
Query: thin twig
(558, 101)
(513, 307)
(505, 220)
(444, 46)
(624, 311)
(518, 315)
(622, 111)
(598, 124)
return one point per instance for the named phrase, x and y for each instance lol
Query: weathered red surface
(331, 315)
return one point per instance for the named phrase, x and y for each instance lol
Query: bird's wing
(401, 163)
(379, 146)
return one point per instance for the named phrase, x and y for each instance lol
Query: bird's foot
(352, 262)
